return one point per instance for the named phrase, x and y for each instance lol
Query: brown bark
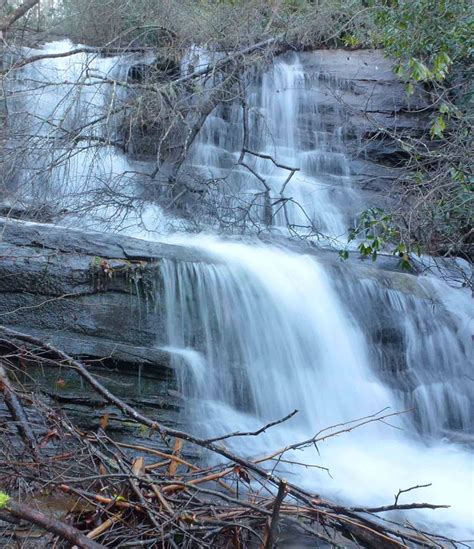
(272, 528)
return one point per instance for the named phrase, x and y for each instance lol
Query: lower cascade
(264, 331)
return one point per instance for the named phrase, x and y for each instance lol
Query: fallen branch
(271, 533)
(186, 511)
(17, 412)
(50, 524)
(399, 507)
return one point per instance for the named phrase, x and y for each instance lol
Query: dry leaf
(138, 466)
(104, 421)
(178, 444)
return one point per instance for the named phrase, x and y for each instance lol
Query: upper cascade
(279, 154)
(283, 154)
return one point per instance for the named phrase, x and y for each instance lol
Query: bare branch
(17, 14)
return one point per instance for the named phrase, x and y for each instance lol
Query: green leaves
(4, 499)
(418, 70)
(441, 64)
(432, 43)
(344, 254)
(437, 129)
(377, 230)
(427, 37)
(444, 108)
(351, 41)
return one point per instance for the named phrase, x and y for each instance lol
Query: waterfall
(288, 125)
(263, 331)
(267, 319)
(57, 110)
(420, 342)
(260, 331)
(67, 114)
(66, 159)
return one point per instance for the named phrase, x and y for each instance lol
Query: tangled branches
(88, 489)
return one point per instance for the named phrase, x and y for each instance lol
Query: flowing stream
(259, 330)
(265, 331)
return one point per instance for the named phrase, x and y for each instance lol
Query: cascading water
(270, 321)
(259, 331)
(65, 114)
(264, 331)
(286, 126)
(421, 344)
(66, 117)
(64, 98)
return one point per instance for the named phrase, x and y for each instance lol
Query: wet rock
(92, 294)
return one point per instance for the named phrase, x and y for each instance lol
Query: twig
(254, 433)
(405, 490)
(272, 528)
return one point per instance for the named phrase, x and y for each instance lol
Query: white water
(285, 122)
(270, 334)
(263, 331)
(65, 117)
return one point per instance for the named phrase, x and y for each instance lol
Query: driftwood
(133, 500)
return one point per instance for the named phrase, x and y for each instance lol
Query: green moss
(138, 274)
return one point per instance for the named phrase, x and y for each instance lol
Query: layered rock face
(373, 101)
(101, 295)
(113, 298)
(355, 92)
(332, 115)
(94, 295)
